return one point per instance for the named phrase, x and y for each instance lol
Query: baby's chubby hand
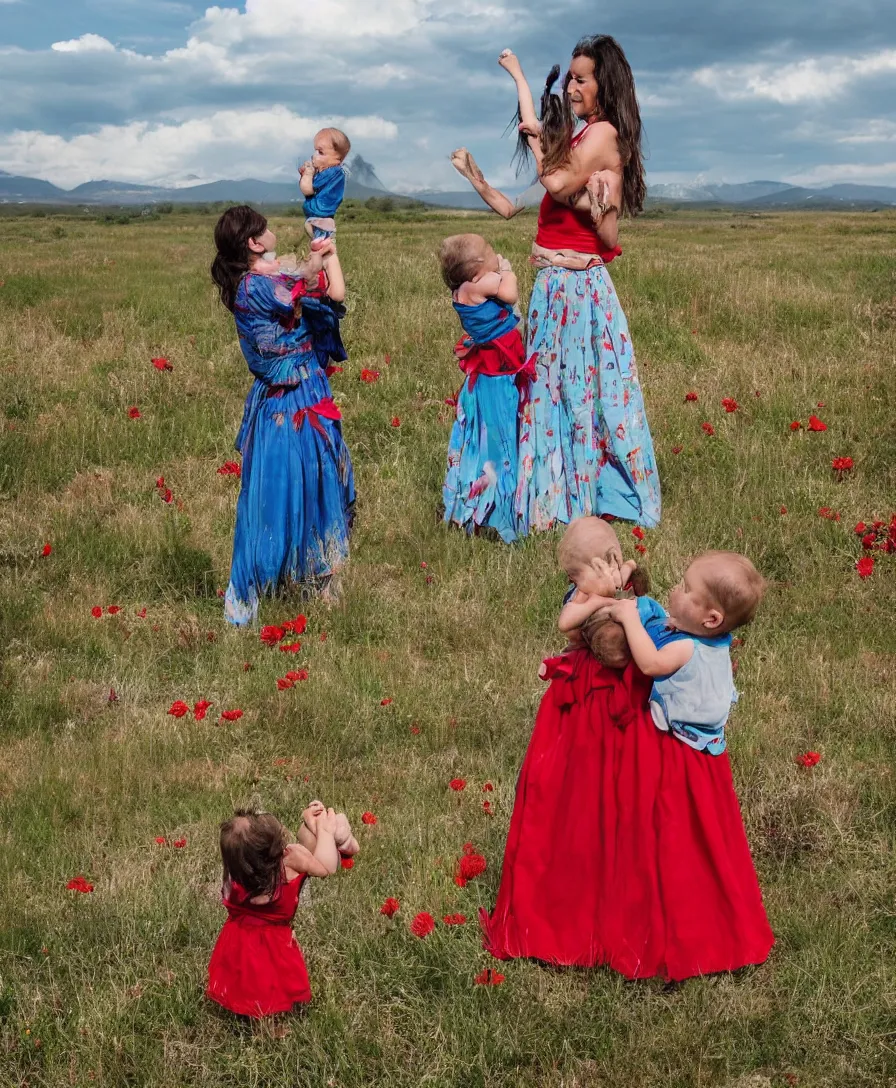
(621, 611)
(326, 821)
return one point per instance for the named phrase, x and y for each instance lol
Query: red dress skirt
(626, 847)
(257, 968)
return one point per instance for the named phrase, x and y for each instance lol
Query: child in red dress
(257, 968)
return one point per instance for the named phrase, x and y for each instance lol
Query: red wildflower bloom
(79, 884)
(827, 512)
(729, 404)
(347, 863)
(297, 675)
(677, 449)
(460, 881)
(865, 566)
(815, 424)
(331, 370)
(231, 715)
(638, 533)
(386, 701)
(113, 609)
(860, 528)
(229, 468)
(270, 635)
(868, 541)
(396, 422)
(178, 709)
(796, 425)
(488, 977)
(167, 495)
(179, 844)
(391, 907)
(808, 759)
(96, 611)
(141, 613)
(45, 551)
(369, 376)
(160, 481)
(133, 412)
(842, 464)
(454, 919)
(415, 730)
(162, 364)
(690, 398)
(387, 358)
(458, 784)
(640, 548)
(487, 788)
(423, 924)
(283, 682)
(783, 510)
(708, 428)
(161, 840)
(487, 807)
(112, 697)
(470, 866)
(820, 404)
(368, 818)
(290, 648)
(297, 626)
(200, 709)
(323, 636)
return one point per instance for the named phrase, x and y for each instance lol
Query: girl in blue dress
(480, 484)
(295, 506)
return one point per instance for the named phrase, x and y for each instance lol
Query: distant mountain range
(363, 183)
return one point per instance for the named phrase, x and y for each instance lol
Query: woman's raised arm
(464, 163)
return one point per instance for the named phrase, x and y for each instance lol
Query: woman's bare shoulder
(600, 145)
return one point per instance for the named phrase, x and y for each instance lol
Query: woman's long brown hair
(232, 234)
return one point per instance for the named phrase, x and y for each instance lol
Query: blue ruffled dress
(295, 505)
(480, 484)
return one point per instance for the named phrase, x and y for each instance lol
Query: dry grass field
(428, 669)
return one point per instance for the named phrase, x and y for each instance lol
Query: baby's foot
(346, 843)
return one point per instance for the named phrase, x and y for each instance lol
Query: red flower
(297, 626)
(454, 919)
(200, 709)
(458, 784)
(415, 730)
(331, 370)
(179, 844)
(842, 464)
(113, 609)
(347, 863)
(141, 613)
(729, 404)
(708, 428)
(451, 402)
(178, 709)
(460, 882)
(323, 636)
(291, 648)
(470, 866)
(783, 510)
(283, 682)
(827, 512)
(166, 495)
(808, 759)
(796, 425)
(488, 977)
(47, 548)
(231, 715)
(487, 788)
(423, 924)
(297, 675)
(396, 422)
(160, 481)
(865, 566)
(860, 528)
(815, 424)
(487, 807)
(161, 840)
(270, 635)
(133, 412)
(369, 376)
(96, 611)
(640, 548)
(229, 468)
(162, 364)
(386, 701)
(638, 533)
(868, 541)
(677, 449)
(368, 818)
(390, 907)
(387, 358)
(79, 884)
(690, 398)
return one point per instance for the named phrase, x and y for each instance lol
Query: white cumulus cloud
(87, 43)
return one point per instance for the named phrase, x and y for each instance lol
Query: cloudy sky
(158, 90)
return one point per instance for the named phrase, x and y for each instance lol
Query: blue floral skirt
(480, 485)
(294, 511)
(585, 446)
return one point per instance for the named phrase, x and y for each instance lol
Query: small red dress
(626, 847)
(257, 968)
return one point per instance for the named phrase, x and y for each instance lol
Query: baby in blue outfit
(687, 650)
(322, 181)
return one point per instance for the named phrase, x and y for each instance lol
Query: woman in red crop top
(585, 447)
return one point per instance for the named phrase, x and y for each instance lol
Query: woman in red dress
(257, 968)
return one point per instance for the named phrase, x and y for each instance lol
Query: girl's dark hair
(618, 103)
(252, 848)
(232, 233)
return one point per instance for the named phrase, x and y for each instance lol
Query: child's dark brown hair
(252, 847)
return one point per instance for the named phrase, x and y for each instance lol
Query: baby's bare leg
(346, 843)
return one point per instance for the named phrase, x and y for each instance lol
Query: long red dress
(626, 847)
(257, 968)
